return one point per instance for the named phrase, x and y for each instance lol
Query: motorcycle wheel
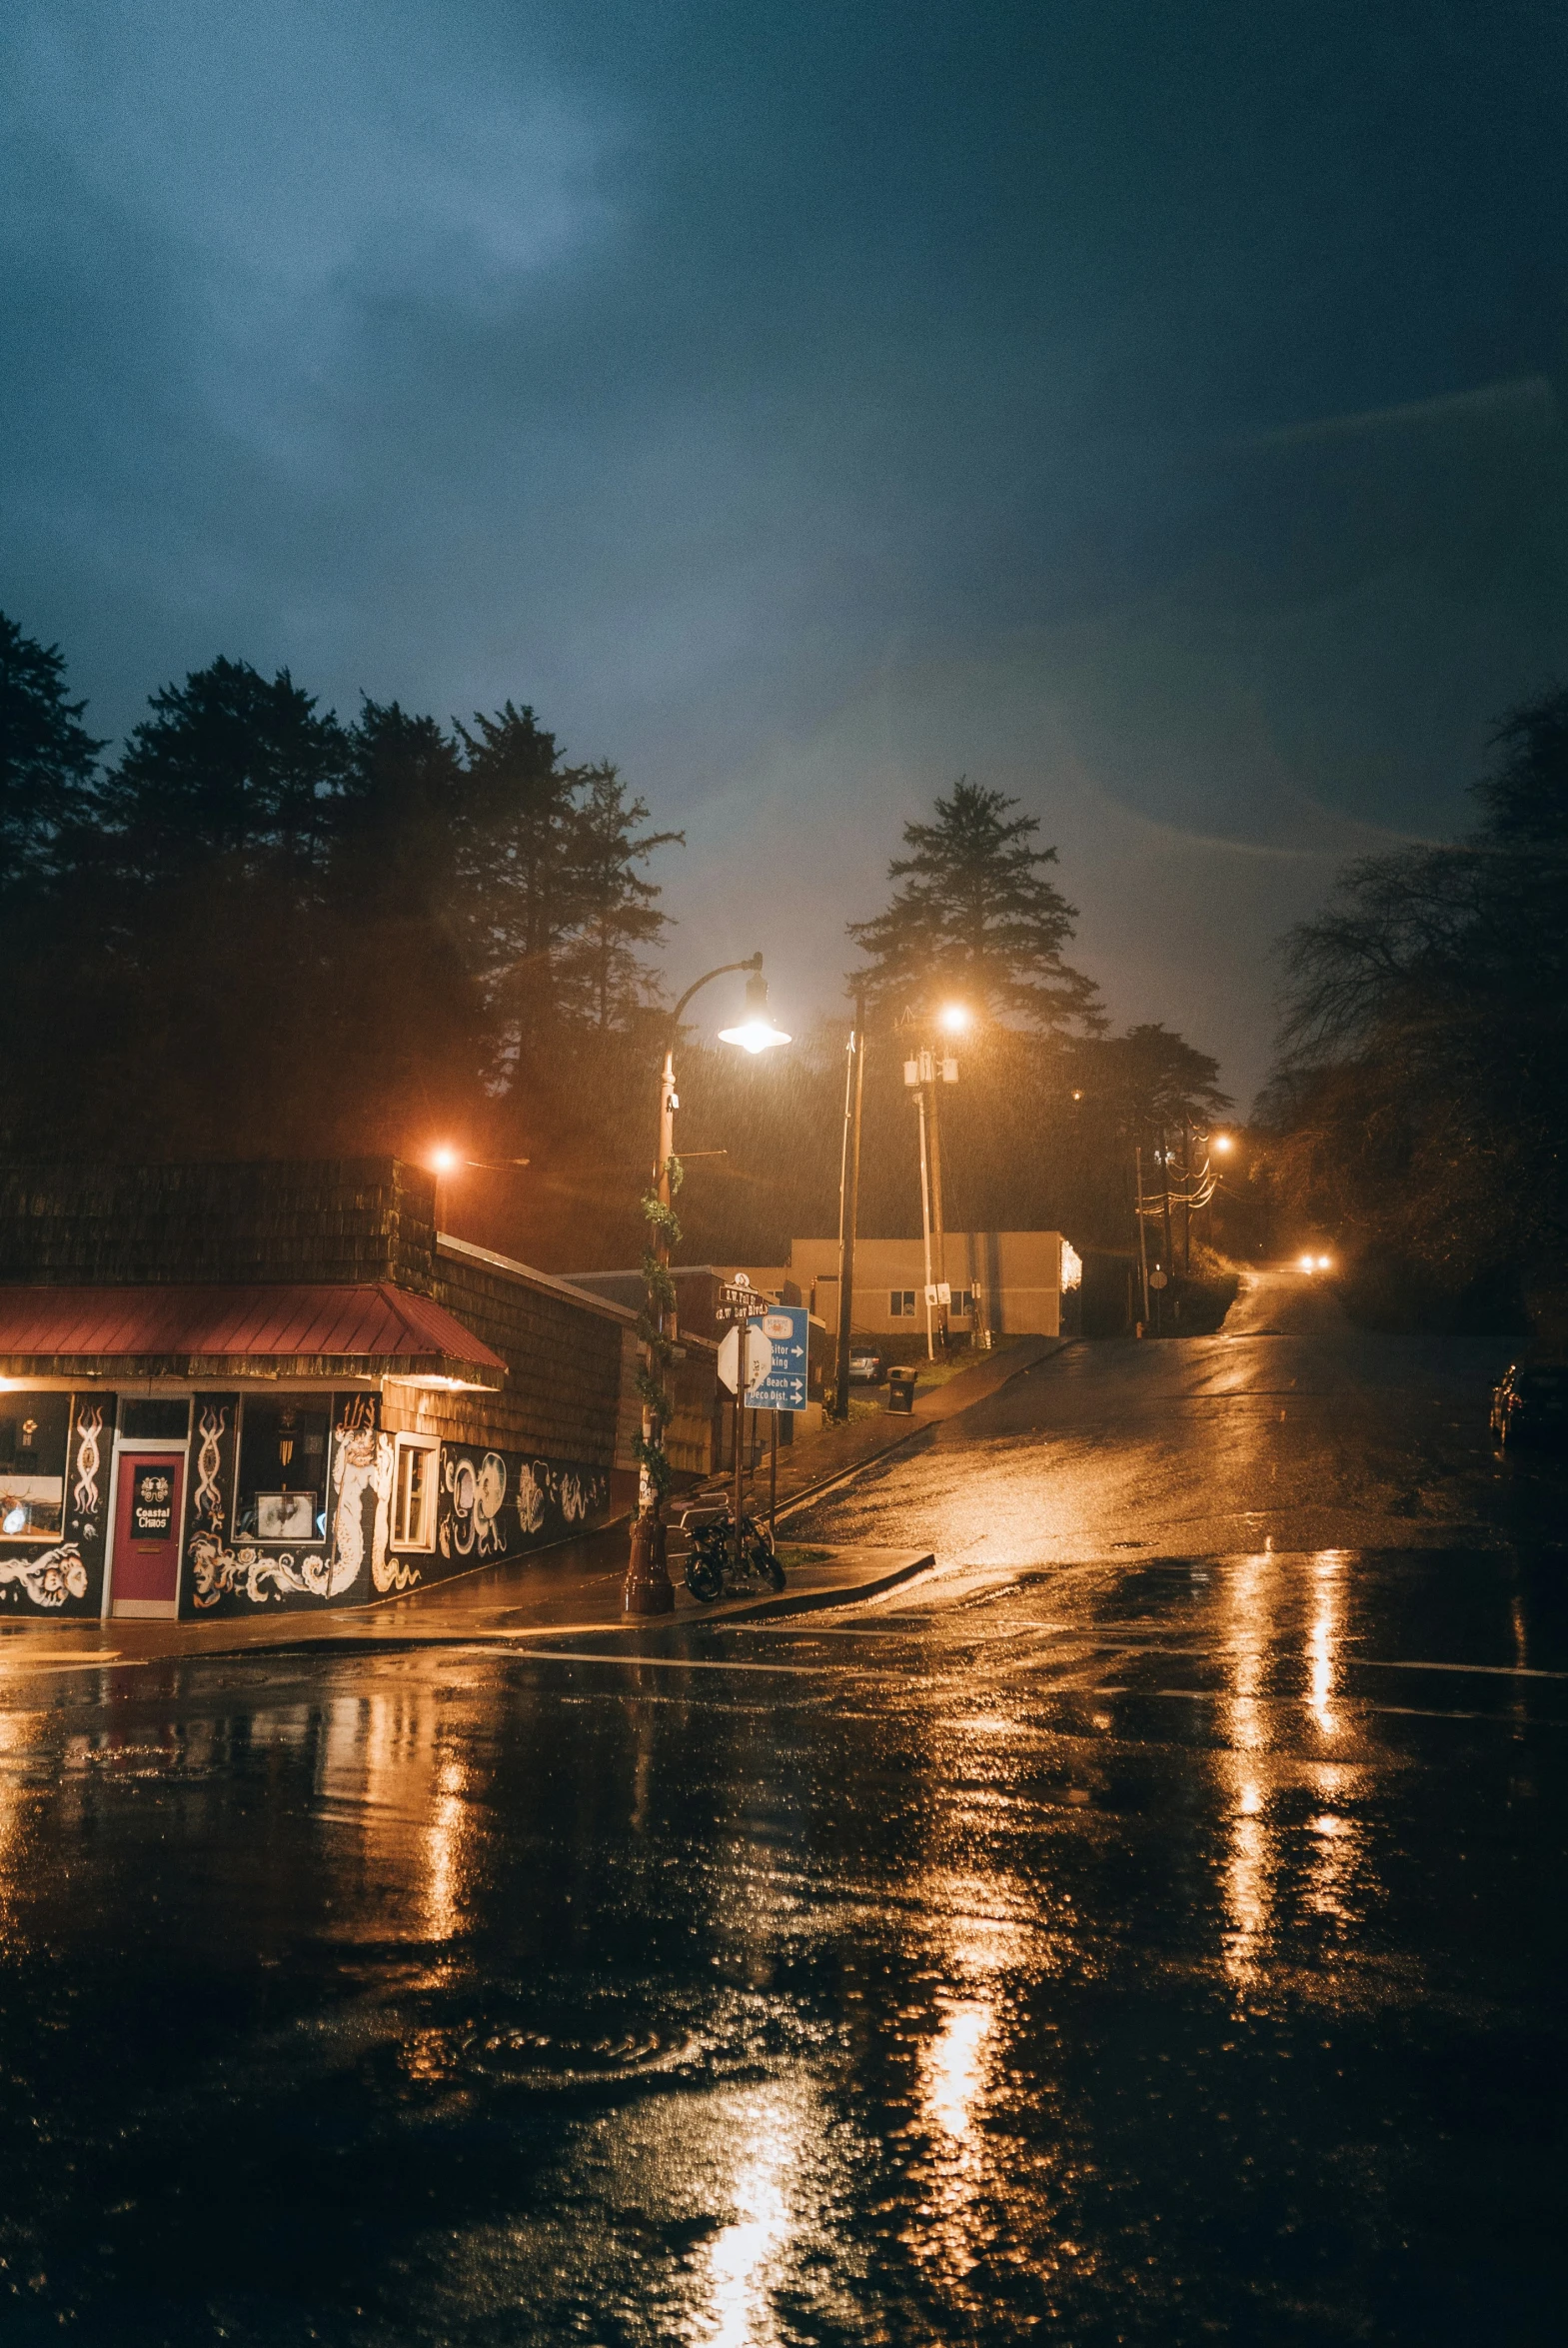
(766, 1566)
(705, 1577)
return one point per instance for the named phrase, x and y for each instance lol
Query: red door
(146, 1562)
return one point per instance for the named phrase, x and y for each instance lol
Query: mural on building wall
(246, 1572)
(361, 1463)
(498, 1503)
(67, 1577)
(48, 1581)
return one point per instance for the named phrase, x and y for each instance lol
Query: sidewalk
(837, 1451)
(573, 1591)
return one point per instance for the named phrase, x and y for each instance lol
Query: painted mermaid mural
(362, 1509)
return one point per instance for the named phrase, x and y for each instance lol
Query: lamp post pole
(648, 1588)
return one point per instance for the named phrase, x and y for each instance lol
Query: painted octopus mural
(479, 1522)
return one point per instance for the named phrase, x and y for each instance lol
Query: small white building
(1008, 1281)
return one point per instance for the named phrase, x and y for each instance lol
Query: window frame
(404, 1447)
(900, 1303)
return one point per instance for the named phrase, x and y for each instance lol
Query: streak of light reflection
(744, 2256)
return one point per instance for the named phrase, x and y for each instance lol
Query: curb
(812, 1601)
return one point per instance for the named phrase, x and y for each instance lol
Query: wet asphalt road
(1095, 1943)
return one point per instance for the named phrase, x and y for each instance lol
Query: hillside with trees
(262, 929)
(1417, 1109)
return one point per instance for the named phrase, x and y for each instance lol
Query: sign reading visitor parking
(782, 1385)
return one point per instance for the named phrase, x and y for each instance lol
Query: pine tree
(977, 919)
(232, 768)
(515, 851)
(616, 914)
(48, 762)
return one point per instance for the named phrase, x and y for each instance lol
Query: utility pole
(1143, 1254)
(939, 1071)
(926, 1223)
(850, 1200)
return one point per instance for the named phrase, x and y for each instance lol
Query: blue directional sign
(783, 1385)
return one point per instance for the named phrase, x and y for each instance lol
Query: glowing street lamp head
(1325, 1264)
(1307, 1262)
(1221, 1143)
(954, 1018)
(756, 1031)
(444, 1160)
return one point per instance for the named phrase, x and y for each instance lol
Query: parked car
(866, 1369)
(1530, 1403)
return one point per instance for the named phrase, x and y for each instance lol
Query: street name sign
(737, 1300)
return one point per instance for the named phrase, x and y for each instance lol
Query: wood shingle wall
(328, 1220)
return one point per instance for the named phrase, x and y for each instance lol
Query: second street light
(648, 1588)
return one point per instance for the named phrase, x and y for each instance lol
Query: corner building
(226, 1389)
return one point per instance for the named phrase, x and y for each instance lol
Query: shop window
(414, 1495)
(283, 1472)
(34, 1430)
(901, 1304)
(155, 1423)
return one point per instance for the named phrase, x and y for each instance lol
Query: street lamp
(445, 1160)
(757, 1032)
(648, 1588)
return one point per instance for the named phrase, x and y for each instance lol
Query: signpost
(777, 1357)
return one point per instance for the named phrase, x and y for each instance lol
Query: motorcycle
(710, 1570)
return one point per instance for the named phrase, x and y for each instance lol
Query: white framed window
(414, 1493)
(901, 1304)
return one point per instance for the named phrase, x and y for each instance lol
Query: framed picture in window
(286, 1516)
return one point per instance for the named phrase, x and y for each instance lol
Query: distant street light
(445, 1160)
(648, 1588)
(1221, 1141)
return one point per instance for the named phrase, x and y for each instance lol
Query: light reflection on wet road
(1147, 1946)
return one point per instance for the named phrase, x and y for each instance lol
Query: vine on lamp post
(658, 1353)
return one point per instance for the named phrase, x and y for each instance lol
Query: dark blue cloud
(1150, 410)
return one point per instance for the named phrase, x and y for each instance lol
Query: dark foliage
(265, 931)
(1417, 1109)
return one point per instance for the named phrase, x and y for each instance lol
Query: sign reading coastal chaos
(389, 1511)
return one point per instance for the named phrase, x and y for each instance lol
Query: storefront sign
(152, 1504)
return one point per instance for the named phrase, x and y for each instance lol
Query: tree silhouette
(1418, 1103)
(48, 762)
(976, 918)
(616, 916)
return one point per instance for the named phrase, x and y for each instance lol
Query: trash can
(900, 1390)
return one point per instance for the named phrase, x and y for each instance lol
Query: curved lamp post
(648, 1588)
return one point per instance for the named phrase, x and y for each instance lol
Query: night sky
(1154, 411)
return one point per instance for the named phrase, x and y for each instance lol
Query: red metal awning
(308, 1330)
